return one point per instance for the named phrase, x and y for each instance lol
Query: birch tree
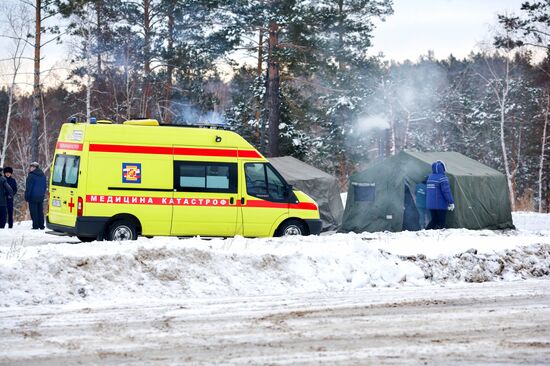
(531, 29)
(543, 148)
(18, 28)
(499, 84)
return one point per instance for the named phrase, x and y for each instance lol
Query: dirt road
(490, 323)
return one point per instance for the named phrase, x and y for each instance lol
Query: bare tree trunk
(273, 100)
(340, 33)
(8, 120)
(263, 124)
(407, 128)
(88, 98)
(20, 25)
(393, 141)
(147, 57)
(543, 151)
(35, 120)
(502, 106)
(169, 67)
(99, 25)
(147, 37)
(260, 71)
(515, 164)
(127, 80)
(45, 138)
(117, 106)
(88, 46)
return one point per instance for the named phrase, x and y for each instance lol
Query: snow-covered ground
(453, 297)
(37, 268)
(491, 323)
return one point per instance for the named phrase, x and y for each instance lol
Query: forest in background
(310, 88)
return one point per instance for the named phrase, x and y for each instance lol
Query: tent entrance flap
(410, 212)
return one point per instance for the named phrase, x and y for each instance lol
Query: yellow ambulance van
(118, 181)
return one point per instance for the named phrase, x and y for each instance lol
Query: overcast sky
(444, 26)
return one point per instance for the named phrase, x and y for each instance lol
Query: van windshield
(65, 170)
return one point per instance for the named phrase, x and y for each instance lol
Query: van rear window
(65, 170)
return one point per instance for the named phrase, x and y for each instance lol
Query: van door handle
(231, 200)
(242, 201)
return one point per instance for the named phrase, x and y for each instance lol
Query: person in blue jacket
(35, 193)
(439, 198)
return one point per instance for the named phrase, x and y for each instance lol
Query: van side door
(205, 194)
(264, 198)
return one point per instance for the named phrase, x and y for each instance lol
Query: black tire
(292, 227)
(86, 239)
(121, 230)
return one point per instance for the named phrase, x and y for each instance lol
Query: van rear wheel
(121, 230)
(292, 227)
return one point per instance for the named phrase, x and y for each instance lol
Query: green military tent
(317, 184)
(382, 197)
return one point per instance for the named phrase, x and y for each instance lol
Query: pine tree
(531, 28)
(342, 32)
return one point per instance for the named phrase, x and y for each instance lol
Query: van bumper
(314, 226)
(86, 226)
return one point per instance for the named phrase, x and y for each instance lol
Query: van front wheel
(292, 227)
(122, 230)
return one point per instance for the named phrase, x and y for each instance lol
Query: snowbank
(170, 268)
(36, 270)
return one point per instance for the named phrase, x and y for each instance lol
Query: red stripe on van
(162, 201)
(163, 150)
(249, 154)
(132, 149)
(304, 206)
(69, 146)
(193, 201)
(268, 204)
(205, 152)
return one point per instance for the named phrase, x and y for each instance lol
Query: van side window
(263, 181)
(193, 176)
(65, 170)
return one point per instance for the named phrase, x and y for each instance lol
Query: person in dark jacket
(439, 198)
(35, 194)
(5, 193)
(8, 172)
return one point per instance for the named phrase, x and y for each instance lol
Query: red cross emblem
(71, 205)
